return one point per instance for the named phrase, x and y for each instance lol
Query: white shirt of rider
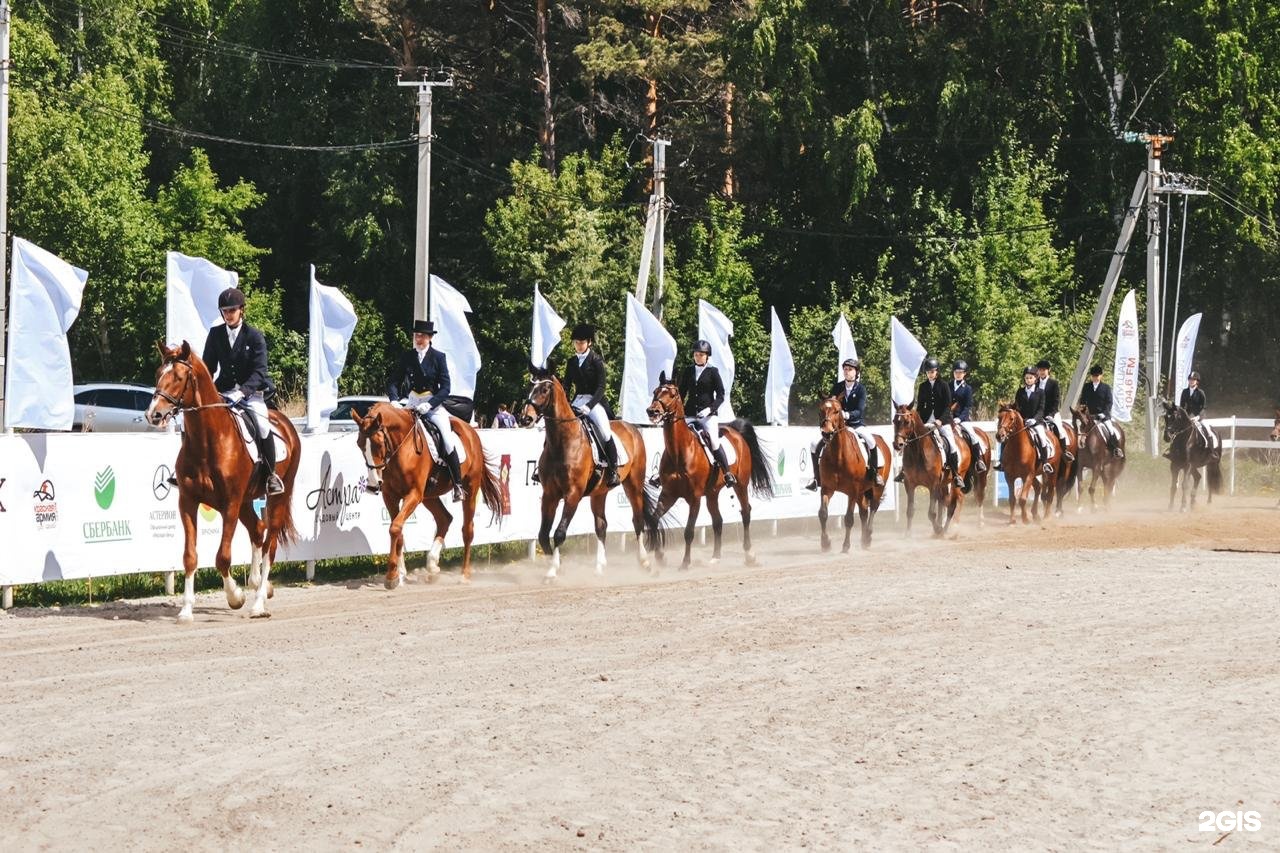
(233, 332)
(697, 371)
(422, 353)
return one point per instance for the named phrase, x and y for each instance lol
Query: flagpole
(4, 201)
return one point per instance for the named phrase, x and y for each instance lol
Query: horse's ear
(357, 417)
(164, 350)
(662, 377)
(911, 406)
(185, 352)
(377, 421)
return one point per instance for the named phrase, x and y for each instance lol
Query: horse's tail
(287, 533)
(1213, 470)
(490, 488)
(655, 529)
(761, 465)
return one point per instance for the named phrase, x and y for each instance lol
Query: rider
(853, 401)
(420, 381)
(1052, 403)
(933, 403)
(1193, 400)
(703, 393)
(1030, 404)
(237, 353)
(1096, 397)
(961, 411)
(585, 375)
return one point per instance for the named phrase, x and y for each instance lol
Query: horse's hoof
(465, 580)
(752, 560)
(684, 567)
(391, 582)
(432, 577)
(826, 546)
(185, 618)
(260, 614)
(599, 571)
(236, 603)
(645, 564)
(548, 580)
(714, 561)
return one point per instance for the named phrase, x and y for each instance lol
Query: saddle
(246, 420)
(435, 442)
(596, 442)
(730, 455)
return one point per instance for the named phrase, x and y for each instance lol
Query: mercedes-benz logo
(160, 482)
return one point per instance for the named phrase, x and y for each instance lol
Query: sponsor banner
(97, 504)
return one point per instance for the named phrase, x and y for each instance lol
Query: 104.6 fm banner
(96, 504)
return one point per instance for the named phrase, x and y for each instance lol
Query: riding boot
(815, 483)
(979, 465)
(455, 471)
(1042, 455)
(953, 462)
(729, 479)
(267, 454)
(611, 460)
(1067, 455)
(873, 466)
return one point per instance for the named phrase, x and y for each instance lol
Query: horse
(1018, 461)
(1188, 453)
(400, 468)
(214, 468)
(842, 467)
(1096, 456)
(568, 474)
(686, 474)
(924, 465)
(1275, 430)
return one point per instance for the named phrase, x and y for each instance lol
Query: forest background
(953, 162)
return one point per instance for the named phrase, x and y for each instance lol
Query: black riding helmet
(1195, 374)
(701, 345)
(852, 362)
(1028, 371)
(960, 364)
(232, 297)
(930, 364)
(584, 332)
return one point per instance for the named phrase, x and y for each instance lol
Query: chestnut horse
(394, 446)
(685, 473)
(1018, 461)
(568, 474)
(1095, 455)
(843, 468)
(214, 468)
(1188, 453)
(923, 464)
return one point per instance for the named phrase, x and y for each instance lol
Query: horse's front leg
(823, 504)
(187, 510)
(570, 507)
(717, 524)
(867, 516)
(849, 511)
(399, 518)
(1195, 484)
(694, 505)
(1173, 485)
(744, 502)
(911, 507)
(602, 530)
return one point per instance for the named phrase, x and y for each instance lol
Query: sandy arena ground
(1093, 685)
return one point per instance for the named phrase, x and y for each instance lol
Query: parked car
(341, 421)
(111, 407)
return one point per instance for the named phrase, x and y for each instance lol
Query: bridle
(176, 402)
(538, 407)
(1012, 433)
(668, 415)
(382, 430)
(902, 417)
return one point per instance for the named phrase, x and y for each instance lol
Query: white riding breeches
(966, 428)
(256, 404)
(1042, 436)
(439, 416)
(865, 435)
(599, 417)
(950, 436)
(711, 425)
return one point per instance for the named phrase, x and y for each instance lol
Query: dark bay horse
(923, 465)
(1096, 456)
(214, 468)
(685, 473)
(568, 473)
(843, 468)
(1188, 453)
(394, 446)
(1018, 461)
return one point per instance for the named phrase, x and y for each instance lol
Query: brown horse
(1096, 456)
(843, 468)
(568, 473)
(685, 473)
(394, 445)
(1188, 453)
(214, 468)
(1018, 461)
(924, 465)
(1275, 430)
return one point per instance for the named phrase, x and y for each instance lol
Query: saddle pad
(859, 443)
(282, 452)
(434, 449)
(730, 455)
(594, 442)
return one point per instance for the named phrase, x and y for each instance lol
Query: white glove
(234, 396)
(424, 407)
(403, 402)
(704, 413)
(582, 410)
(1031, 421)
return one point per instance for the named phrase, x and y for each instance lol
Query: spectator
(504, 419)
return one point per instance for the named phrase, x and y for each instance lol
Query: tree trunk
(547, 128)
(729, 182)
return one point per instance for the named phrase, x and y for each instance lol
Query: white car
(111, 407)
(341, 421)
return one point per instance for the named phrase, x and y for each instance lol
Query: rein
(528, 401)
(177, 403)
(414, 431)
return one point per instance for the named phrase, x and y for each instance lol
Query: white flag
(547, 325)
(333, 320)
(1124, 379)
(1186, 350)
(449, 310)
(782, 371)
(650, 350)
(905, 357)
(843, 338)
(193, 286)
(44, 293)
(716, 328)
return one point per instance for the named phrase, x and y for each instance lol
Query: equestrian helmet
(424, 327)
(960, 364)
(852, 362)
(1043, 364)
(702, 345)
(931, 364)
(1028, 371)
(1096, 370)
(1195, 374)
(232, 297)
(584, 332)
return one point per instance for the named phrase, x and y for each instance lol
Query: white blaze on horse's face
(154, 414)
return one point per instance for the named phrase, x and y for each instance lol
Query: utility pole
(655, 225)
(1155, 328)
(4, 199)
(422, 242)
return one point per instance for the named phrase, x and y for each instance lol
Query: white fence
(1230, 443)
(97, 504)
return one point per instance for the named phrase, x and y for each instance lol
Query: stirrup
(1069, 456)
(457, 493)
(611, 476)
(1118, 453)
(275, 486)
(729, 479)
(1047, 468)
(655, 481)
(536, 477)
(981, 466)
(812, 485)
(901, 478)
(172, 480)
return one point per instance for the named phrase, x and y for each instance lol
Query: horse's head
(374, 440)
(1176, 419)
(175, 384)
(1083, 416)
(831, 416)
(667, 405)
(1008, 421)
(906, 425)
(1275, 432)
(540, 397)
